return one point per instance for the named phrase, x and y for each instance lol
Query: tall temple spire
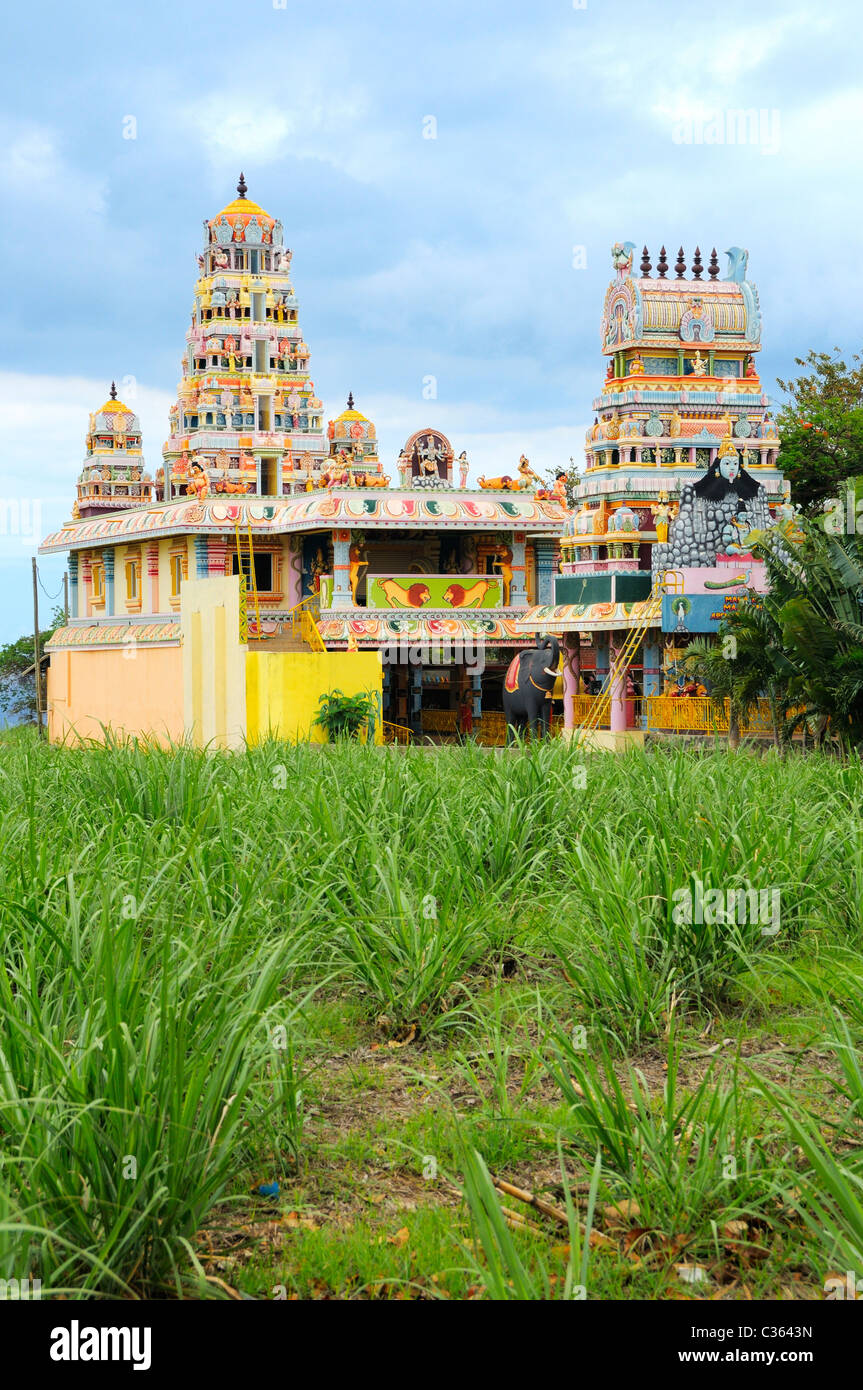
(113, 391)
(241, 186)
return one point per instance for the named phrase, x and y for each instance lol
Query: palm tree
(815, 607)
(729, 677)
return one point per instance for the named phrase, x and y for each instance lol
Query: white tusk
(548, 671)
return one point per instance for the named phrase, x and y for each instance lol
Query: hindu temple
(336, 567)
(680, 467)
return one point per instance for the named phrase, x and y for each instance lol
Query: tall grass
(164, 913)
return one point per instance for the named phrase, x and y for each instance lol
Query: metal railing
(304, 617)
(396, 733)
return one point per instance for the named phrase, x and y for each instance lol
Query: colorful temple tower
(247, 419)
(114, 475)
(680, 467)
(353, 459)
(298, 529)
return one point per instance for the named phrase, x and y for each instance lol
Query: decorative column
(341, 570)
(108, 562)
(201, 557)
(544, 552)
(476, 685)
(651, 673)
(294, 568)
(600, 644)
(571, 676)
(618, 697)
(153, 575)
(217, 556)
(73, 583)
(518, 588)
(416, 698)
(87, 583)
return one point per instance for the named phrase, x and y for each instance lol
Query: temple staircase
(601, 705)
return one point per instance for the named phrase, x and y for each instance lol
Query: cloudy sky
(451, 176)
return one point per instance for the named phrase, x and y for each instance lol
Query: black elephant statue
(527, 687)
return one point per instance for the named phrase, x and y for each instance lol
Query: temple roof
(242, 207)
(388, 508)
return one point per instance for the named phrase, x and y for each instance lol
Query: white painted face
(729, 468)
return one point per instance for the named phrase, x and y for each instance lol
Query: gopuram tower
(247, 419)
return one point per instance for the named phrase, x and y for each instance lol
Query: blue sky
(556, 127)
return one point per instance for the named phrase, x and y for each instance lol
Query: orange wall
(138, 695)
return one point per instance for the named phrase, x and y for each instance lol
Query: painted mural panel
(683, 614)
(434, 591)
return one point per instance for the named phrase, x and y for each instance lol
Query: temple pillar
(73, 583)
(153, 575)
(544, 551)
(108, 562)
(650, 667)
(476, 687)
(618, 696)
(87, 583)
(518, 588)
(294, 567)
(416, 698)
(217, 556)
(202, 566)
(341, 570)
(571, 676)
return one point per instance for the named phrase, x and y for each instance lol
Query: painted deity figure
(463, 466)
(699, 365)
(527, 473)
(357, 561)
(661, 518)
(430, 455)
(503, 562)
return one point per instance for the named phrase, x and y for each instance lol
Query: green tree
(816, 605)
(732, 672)
(17, 685)
(821, 427)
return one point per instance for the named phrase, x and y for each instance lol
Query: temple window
(263, 571)
(178, 569)
(133, 582)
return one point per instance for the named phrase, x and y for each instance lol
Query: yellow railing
(304, 618)
(439, 721)
(396, 733)
(700, 715)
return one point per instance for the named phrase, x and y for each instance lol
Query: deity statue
(318, 568)
(357, 560)
(699, 366)
(527, 473)
(675, 425)
(430, 456)
(636, 366)
(661, 518)
(621, 257)
(503, 561)
(462, 469)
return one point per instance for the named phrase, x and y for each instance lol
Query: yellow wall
(214, 658)
(131, 690)
(282, 690)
